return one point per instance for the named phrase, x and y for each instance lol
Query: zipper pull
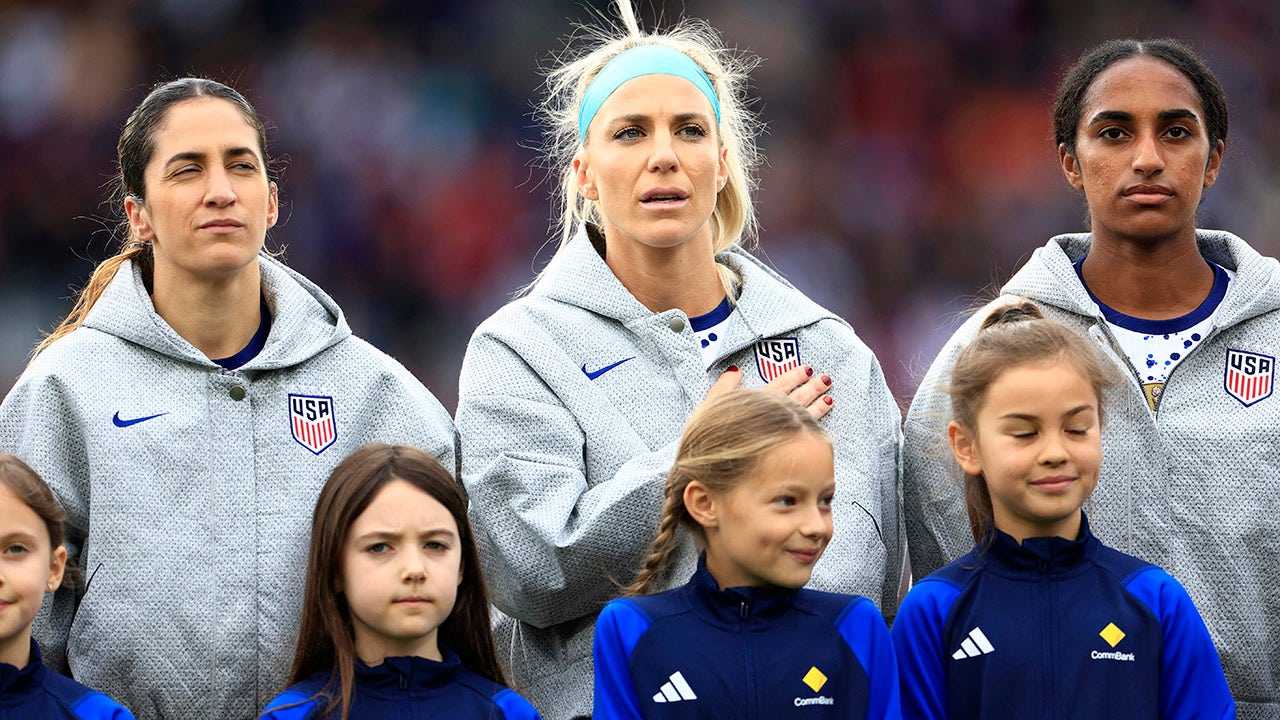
(744, 610)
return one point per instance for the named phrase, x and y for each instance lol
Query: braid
(655, 563)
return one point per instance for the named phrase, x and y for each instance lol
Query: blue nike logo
(126, 423)
(593, 375)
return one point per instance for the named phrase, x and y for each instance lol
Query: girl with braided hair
(754, 481)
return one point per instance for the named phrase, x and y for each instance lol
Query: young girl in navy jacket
(754, 480)
(1041, 619)
(32, 563)
(396, 617)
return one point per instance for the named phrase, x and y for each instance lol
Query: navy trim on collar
(1172, 325)
(256, 343)
(713, 318)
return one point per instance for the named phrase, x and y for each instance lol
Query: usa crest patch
(311, 421)
(1249, 377)
(776, 356)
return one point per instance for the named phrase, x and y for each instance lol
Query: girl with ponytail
(754, 483)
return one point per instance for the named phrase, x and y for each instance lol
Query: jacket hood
(304, 319)
(1050, 276)
(579, 276)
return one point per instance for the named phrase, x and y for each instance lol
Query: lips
(223, 224)
(807, 557)
(663, 194)
(1147, 193)
(1053, 484)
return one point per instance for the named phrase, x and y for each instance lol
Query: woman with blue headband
(572, 397)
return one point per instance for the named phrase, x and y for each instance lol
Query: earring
(50, 586)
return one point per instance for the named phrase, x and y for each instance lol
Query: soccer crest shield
(311, 421)
(776, 356)
(1249, 376)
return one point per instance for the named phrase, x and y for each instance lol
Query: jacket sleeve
(618, 628)
(937, 522)
(290, 705)
(556, 544)
(40, 425)
(863, 628)
(515, 707)
(1192, 684)
(918, 640)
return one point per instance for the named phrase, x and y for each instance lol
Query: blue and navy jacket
(37, 692)
(1055, 628)
(407, 688)
(754, 653)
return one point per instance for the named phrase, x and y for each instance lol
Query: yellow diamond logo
(1112, 634)
(814, 679)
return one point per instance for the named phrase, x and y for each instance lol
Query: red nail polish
(733, 368)
(808, 371)
(827, 399)
(826, 379)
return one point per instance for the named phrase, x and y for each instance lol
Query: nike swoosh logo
(593, 375)
(126, 423)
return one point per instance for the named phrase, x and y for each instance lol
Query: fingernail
(808, 371)
(826, 379)
(732, 368)
(827, 399)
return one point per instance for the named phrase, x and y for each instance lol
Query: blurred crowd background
(910, 167)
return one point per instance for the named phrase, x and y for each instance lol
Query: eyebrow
(1025, 416)
(641, 117)
(1165, 115)
(193, 155)
(393, 535)
(18, 535)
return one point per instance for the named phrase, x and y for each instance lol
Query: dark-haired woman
(1190, 317)
(187, 412)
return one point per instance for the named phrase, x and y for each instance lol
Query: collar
(14, 681)
(769, 305)
(1051, 555)
(736, 604)
(415, 676)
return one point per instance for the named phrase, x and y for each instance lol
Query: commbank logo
(675, 689)
(974, 645)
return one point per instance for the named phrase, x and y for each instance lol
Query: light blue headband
(637, 61)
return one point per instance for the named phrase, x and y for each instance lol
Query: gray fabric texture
(1191, 488)
(566, 474)
(193, 526)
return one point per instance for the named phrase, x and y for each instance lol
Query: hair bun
(1017, 312)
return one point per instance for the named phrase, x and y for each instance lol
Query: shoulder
(85, 702)
(302, 700)
(511, 703)
(1122, 566)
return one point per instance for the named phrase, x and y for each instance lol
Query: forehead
(656, 95)
(1139, 81)
(805, 458)
(16, 516)
(399, 505)
(1039, 387)
(203, 124)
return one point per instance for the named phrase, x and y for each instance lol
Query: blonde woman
(572, 398)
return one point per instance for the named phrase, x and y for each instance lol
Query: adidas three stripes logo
(675, 690)
(974, 645)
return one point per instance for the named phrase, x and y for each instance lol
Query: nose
(816, 523)
(414, 570)
(663, 157)
(1148, 154)
(219, 191)
(1053, 451)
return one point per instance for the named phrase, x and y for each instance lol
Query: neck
(219, 317)
(16, 651)
(1067, 528)
(372, 651)
(1152, 281)
(683, 277)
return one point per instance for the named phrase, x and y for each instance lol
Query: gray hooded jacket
(189, 489)
(1192, 487)
(566, 472)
